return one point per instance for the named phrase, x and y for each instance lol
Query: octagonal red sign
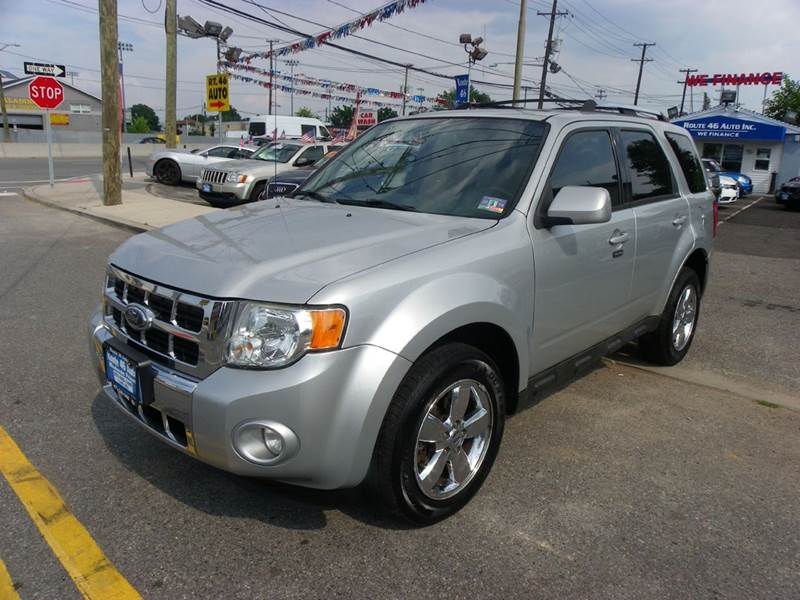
(46, 92)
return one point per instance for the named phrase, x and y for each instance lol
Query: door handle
(618, 237)
(678, 221)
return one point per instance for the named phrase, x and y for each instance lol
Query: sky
(596, 48)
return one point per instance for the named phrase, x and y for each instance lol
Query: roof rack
(583, 105)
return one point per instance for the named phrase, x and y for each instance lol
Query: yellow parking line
(7, 591)
(92, 572)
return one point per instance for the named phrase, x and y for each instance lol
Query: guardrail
(39, 150)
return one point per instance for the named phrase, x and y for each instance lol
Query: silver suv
(378, 326)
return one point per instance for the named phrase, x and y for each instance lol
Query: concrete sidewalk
(139, 210)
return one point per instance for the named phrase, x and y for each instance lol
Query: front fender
(406, 305)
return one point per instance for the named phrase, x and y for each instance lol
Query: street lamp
(123, 47)
(211, 29)
(474, 54)
(292, 64)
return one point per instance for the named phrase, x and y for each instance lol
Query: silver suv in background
(377, 327)
(241, 181)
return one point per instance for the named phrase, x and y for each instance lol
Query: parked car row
(789, 194)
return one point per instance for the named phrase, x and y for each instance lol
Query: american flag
(339, 139)
(308, 138)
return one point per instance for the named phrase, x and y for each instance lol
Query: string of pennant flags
(306, 80)
(314, 94)
(387, 11)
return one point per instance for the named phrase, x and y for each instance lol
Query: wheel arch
(168, 159)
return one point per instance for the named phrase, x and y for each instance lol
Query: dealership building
(744, 141)
(80, 111)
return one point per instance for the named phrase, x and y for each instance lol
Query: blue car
(745, 183)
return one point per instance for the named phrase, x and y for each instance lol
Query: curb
(99, 218)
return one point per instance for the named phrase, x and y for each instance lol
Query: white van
(286, 126)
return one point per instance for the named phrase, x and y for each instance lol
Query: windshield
(711, 165)
(276, 152)
(471, 166)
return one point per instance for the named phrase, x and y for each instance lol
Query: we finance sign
(729, 128)
(765, 78)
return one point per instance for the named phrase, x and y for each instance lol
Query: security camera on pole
(474, 54)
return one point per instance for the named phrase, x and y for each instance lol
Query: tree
(304, 111)
(341, 117)
(149, 115)
(475, 95)
(786, 99)
(139, 125)
(386, 113)
(231, 115)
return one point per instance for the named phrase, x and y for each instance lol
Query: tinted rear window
(648, 166)
(687, 158)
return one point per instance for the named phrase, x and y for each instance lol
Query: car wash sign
(719, 127)
(765, 78)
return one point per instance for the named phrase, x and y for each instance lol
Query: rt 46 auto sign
(46, 92)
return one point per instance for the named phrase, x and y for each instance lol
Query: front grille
(792, 192)
(212, 176)
(280, 189)
(188, 332)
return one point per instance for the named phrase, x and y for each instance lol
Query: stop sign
(45, 92)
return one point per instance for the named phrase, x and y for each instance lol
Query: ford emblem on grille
(138, 317)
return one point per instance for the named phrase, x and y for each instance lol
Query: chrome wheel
(684, 318)
(453, 439)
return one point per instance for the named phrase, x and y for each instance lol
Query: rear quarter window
(687, 159)
(648, 167)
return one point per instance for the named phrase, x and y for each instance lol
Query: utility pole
(269, 102)
(523, 8)
(171, 28)
(109, 74)
(641, 61)
(6, 131)
(685, 83)
(405, 88)
(548, 46)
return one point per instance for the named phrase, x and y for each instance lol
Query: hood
(791, 184)
(282, 250)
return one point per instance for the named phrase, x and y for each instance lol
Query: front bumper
(225, 192)
(333, 402)
(789, 198)
(728, 195)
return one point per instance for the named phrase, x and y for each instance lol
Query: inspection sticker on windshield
(496, 205)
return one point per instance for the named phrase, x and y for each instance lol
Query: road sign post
(217, 96)
(47, 94)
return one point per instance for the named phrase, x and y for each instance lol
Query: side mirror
(304, 162)
(579, 205)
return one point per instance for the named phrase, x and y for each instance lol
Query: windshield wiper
(377, 204)
(315, 196)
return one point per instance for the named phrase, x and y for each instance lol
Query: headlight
(237, 177)
(266, 336)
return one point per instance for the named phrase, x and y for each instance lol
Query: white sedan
(730, 190)
(171, 167)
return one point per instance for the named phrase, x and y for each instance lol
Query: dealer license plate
(206, 187)
(121, 373)
(784, 196)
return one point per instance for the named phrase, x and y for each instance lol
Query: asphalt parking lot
(629, 483)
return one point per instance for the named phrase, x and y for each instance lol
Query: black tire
(167, 172)
(257, 189)
(392, 480)
(658, 346)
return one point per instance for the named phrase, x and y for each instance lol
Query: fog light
(264, 442)
(273, 441)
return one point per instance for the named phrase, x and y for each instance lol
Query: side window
(687, 158)
(304, 129)
(314, 153)
(648, 167)
(219, 152)
(587, 158)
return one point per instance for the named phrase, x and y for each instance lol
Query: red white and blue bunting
(383, 13)
(351, 88)
(314, 94)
